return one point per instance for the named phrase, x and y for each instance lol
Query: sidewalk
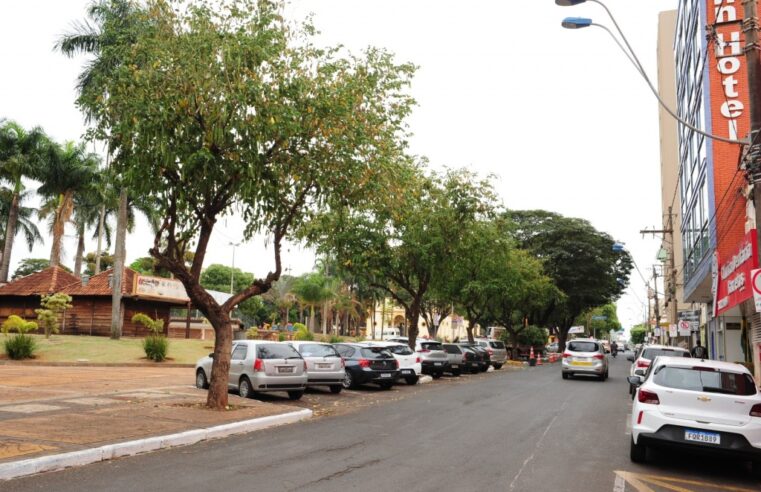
(54, 410)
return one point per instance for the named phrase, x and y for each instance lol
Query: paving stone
(29, 408)
(141, 395)
(12, 449)
(92, 401)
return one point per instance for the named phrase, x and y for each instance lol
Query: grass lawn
(73, 348)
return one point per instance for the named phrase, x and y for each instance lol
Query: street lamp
(232, 268)
(582, 22)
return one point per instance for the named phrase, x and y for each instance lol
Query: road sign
(576, 330)
(598, 318)
(692, 318)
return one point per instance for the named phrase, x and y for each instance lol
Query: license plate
(406, 371)
(700, 436)
(386, 375)
(580, 363)
(437, 363)
(324, 366)
(285, 369)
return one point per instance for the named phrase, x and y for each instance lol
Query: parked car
(410, 366)
(696, 405)
(585, 356)
(472, 360)
(496, 349)
(456, 358)
(432, 356)
(258, 366)
(325, 367)
(365, 364)
(552, 347)
(483, 360)
(642, 359)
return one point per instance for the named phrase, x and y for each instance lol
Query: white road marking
(619, 484)
(538, 443)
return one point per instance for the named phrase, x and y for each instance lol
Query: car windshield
(583, 347)
(452, 349)
(276, 351)
(652, 353)
(497, 345)
(375, 353)
(705, 379)
(317, 350)
(400, 350)
(431, 346)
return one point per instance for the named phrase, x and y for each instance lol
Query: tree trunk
(59, 223)
(383, 317)
(414, 315)
(119, 254)
(514, 343)
(562, 337)
(311, 318)
(10, 233)
(80, 251)
(216, 398)
(324, 316)
(101, 226)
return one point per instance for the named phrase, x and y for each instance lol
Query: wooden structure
(22, 296)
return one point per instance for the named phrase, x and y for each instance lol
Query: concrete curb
(6, 362)
(17, 469)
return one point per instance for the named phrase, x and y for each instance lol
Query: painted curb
(424, 380)
(17, 469)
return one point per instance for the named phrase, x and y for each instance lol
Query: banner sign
(755, 281)
(575, 330)
(689, 322)
(160, 288)
(734, 281)
(656, 332)
(672, 331)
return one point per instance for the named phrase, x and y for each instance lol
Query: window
(652, 353)
(400, 350)
(345, 350)
(497, 345)
(452, 349)
(705, 379)
(583, 347)
(317, 350)
(276, 351)
(375, 353)
(431, 346)
(239, 352)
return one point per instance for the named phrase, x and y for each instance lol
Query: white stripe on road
(619, 485)
(539, 443)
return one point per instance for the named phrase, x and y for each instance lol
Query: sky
(559, 116)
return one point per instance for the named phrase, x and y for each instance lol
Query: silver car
(497, 351)
(585, 356)
(258, 366)
(325, 367)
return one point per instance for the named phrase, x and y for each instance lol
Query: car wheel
(474, 370)
(637, 452)
(456, 372)
(485, 368)
(411, 380)
(606, 374)
(565, 375)
(295, 395)
(755, 468)
(436, 375)
(348, 380)
(497, 366)
(386, 385)
(201, 381)
(336, 389)
(244, 388)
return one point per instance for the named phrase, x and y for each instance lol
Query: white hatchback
(697, 405)
(410, 366)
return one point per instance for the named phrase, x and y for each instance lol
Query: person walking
(698, 351)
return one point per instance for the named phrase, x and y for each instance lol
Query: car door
(237, 364)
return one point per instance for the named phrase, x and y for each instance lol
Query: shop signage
(689, 321)
(755, 280)
(729, 59)
(734, 276)
(160, 288)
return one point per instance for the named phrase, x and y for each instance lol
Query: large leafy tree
(578, 258)
(312, 290)
(28, 266)
(22, 155)
(600, 320)
(214, 108)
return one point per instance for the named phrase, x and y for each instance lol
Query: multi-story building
(717, 229)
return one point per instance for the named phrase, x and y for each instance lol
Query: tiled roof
(98, 285)
(44, 282)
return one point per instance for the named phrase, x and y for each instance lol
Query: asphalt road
(515, 431)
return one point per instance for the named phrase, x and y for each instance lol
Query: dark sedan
(484, 360)
(368, 365)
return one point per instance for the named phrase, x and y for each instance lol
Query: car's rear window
(276, 351)
(317, 350)
(652, 353)
(452, 349)
(400, 349)
(497, 345)
(583, 347)
(431, 345)
(709, 381)
(375, 353)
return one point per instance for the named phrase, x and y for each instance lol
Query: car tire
(202, 381)
(497, 366)
(245, 390)
(436, 375)
(637, 452)
(336, 389)
(411, 380)
(485, 368)
(295, 395)
(456, 372)
(565, 375)
(385, 386)
(349, 380)
(606, 374)
(475, 370)
(755, 468)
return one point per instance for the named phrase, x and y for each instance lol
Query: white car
(642, 358)
(410, 363)
(705, 406)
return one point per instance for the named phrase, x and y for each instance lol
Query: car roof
(376, 343)
(664, 347)
(300, 342)
(662, 360)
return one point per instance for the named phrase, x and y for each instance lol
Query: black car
(484, 360)
(368, 365)
(472, 361)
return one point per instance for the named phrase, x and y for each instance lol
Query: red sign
(735, 282)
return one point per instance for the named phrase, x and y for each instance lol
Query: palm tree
(281, 295)
(311, 291)
(24, 223)
(21, 154)
(70, 170)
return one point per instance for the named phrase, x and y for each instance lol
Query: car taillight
(397, 363)
(258, 365)
(364, 363)
(418, 360)
(465, 356)
(491, 352)
(756, 410)
(566, 355)
(343, 362)
(305, 365)
(643, 363)
(599, 356)
(423, 351)
(645, 396)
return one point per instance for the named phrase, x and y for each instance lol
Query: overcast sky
(560, 116)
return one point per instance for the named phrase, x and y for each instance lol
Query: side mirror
(607, 351)
(211, 355)
(630, 357)
(639, 372)
(634, 380)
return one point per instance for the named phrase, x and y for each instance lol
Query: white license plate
(406, 371)
(386, 375)
(324, 366)
(437, 363)
(700, 436)
(285, 369)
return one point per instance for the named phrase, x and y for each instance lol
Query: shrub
(156, 344)
(302, 333)
(335, 339)
(281, 337)
(252, 333)
(51, 307)
(20, 345)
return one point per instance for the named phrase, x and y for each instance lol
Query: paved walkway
(51, 410)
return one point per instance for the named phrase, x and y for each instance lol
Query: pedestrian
(698, 351)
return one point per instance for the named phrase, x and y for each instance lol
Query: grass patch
(73, 348)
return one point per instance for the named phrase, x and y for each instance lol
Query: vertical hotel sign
(734, 280)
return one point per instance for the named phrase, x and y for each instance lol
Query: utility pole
(753, 61)
(670, 292)
(656, 307)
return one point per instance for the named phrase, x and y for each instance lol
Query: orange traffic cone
(539, 360)
(531, 354)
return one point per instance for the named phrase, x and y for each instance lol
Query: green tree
(25, 224)
(147, 265)
(282, 297)
(91, 262)
(51, 308)
(28, 266)
(222, 278)
(638, 333)
(579, 259)
(312, 290)
(22, 154)
(600, 321)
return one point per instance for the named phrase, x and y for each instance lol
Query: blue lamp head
(618, 247)
(576, 22)
(568, 3)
